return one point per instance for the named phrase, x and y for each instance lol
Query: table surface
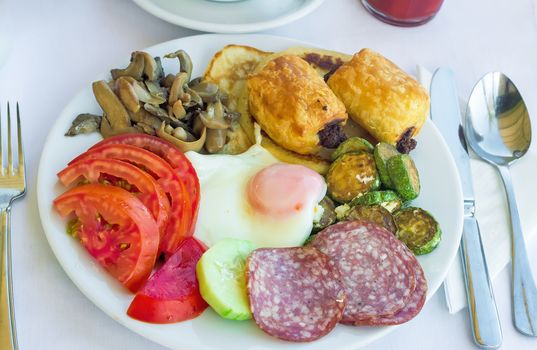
(58, 47)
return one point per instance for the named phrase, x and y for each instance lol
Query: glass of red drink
(403, 12)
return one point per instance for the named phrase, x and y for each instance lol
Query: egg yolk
(283, 189)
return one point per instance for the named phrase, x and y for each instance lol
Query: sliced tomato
(116, 172)
(172, 293)
(180, 220)
(116, 229)
(170, 154)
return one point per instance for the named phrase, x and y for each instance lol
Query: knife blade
(446, 115)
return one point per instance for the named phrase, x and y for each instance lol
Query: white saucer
(229, 17)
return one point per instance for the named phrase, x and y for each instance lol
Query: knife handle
(486, 327)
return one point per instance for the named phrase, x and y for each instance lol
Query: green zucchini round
(353, 144)
(350, 175)
(418, 230)
(404, 176)
(388, 199)
(375, 214)
(384, 151)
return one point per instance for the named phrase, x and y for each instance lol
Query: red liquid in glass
(403, 12)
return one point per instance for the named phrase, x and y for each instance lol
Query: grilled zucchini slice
(352, 174)
(404, 176)
(328, 216)
(418, 230)
(353, 144)
(375, 214)
(387, 199)
(384, 151)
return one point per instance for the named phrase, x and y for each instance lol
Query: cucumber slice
(221, 273)
(418, 230)
(353, 144)
(388, 199)
(352, 174)
(404, 176)
(384, 151)
(375, 214)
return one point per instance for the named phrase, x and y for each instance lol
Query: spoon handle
(524, 292)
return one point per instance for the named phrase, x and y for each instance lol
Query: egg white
(224, 210)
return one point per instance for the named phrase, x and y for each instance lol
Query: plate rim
(150, 7)
(136, 326)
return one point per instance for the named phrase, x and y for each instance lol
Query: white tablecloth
(59, 46)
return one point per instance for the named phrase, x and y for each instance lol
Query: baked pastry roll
(388, 103)
(294, 106)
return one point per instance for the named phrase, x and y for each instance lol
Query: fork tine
(9, 152)
(19, 139)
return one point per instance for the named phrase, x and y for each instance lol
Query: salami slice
(295, 293)
(411, 309)
(378, 278)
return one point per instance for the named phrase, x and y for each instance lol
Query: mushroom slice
(195, 98)
(116, 114)
(197, 126)
(195, 81)
(206, 90)
(156, 111)
(84, 124)
(151, 69)
(216, 139)
(140, 91)
(156, 90)
(185, 63)
(178, 110)
(168, 80)
(143, 116)
(177, 89)
(135, 69)
(184, 146)
(159, 70)
(145, 128)
(108, 131)
(214, 117)
(127, 94)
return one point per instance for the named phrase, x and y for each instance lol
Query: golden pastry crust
(380, 97)
(292, 103)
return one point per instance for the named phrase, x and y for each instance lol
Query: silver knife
(446, 115)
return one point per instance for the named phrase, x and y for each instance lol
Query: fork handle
(8, 331)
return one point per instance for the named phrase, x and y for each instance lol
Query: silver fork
(12, 187)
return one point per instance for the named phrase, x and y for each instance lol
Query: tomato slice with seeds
(170, 154)
(180, 220)
(125, 175)
(116, 229)
(172, 293)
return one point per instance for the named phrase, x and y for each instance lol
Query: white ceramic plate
(441, 195)
(229, 17)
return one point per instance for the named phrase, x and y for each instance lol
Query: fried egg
(252, 196)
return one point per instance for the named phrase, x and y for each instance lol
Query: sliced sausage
(377, 275)
(295, 293)
(411, 309)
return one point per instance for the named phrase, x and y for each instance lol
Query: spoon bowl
(498, 129)
(498, 123)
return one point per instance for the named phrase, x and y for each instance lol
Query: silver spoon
(498, 130)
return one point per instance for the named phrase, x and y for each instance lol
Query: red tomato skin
(171, 154)
(151, 194)
(180, 220)
(121, 208)
(148, 309)
(172, 293)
